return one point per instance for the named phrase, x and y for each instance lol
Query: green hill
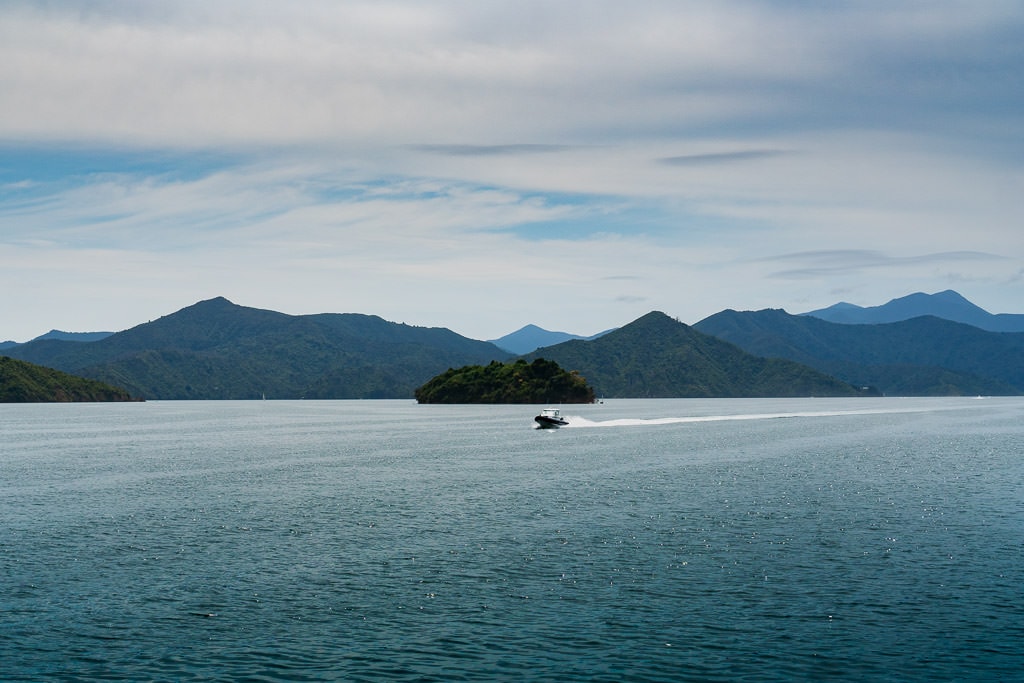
(22, 382)
(218, 350)
(924, 356)
(541, 381)
(658, 357)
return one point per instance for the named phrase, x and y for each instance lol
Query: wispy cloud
(721, 157)
(488, 150)
(817, 264)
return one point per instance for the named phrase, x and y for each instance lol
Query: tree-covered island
(542, 381)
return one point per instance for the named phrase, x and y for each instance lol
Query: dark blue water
(380, 540)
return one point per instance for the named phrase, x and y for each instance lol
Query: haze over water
(842, 539)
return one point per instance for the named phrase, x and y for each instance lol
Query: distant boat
(550, 418)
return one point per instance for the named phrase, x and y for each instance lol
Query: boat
(550, 418)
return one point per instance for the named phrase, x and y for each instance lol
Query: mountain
(215, 349)
(948, 305)
(922, 356)
(22, 382)
(74, 336)
(530, 338)
(66, 336)
(658, 357)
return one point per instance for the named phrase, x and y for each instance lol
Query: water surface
(844, 539)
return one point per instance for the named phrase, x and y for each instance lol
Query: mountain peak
(215, 302)
(945, 297)
(947, 304)
(529, 338)
(656, 319)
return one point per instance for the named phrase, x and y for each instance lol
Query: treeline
(542, 381)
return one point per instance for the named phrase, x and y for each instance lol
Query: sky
(481, 166)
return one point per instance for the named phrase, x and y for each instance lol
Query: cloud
(823, 263)
(488, 150)
(391, 156)
(199, 74)
(721, 157)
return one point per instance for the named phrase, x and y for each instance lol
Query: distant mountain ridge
(531, 337)
(74, 336)
(923, 356)
(948, 305)
(66, 336)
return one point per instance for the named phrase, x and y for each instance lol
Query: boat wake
(576, 421)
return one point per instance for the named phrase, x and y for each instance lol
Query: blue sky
(481, 166)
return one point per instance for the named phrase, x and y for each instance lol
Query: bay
(651, 540)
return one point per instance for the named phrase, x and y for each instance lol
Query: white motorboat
(550, 418)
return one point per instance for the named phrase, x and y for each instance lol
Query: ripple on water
(307, 542)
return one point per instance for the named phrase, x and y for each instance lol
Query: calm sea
(666, 540)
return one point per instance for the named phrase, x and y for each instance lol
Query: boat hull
(545, 422)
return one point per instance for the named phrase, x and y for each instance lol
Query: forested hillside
(22, 382)
(658, 357)
(924, 356)
(218, 350)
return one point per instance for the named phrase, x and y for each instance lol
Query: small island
(22, 382)
(542, 381)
